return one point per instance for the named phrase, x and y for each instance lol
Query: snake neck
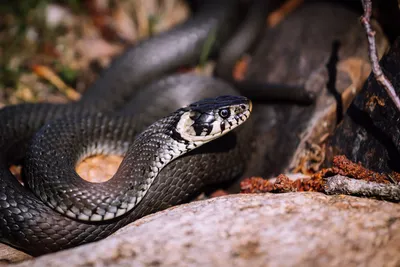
(151, 152)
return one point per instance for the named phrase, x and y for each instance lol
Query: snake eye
(224, 113)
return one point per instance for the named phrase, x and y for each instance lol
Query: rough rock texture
(10, 255)
(293, 229)
(370, 131)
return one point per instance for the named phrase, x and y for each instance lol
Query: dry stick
(340, 184)
(373, 55)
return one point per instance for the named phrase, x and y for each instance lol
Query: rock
(323, 47)
(11, 255)
(370, 130)
(293, 229)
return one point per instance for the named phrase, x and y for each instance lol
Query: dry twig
(340, 184)
(379, 76)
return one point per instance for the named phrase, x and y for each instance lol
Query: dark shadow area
(388, 17)
(220, 145)
(362, 119)
(331, 84)
(270, 93)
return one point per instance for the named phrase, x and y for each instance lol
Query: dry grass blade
(51, 76)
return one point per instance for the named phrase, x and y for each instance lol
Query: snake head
(211, 118)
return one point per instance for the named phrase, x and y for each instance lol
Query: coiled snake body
(158, 170)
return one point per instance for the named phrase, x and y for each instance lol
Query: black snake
(51, 138)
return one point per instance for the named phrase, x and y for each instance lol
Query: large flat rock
(293, 229)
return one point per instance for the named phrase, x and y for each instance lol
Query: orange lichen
(255, 185)
(373, 100)
(282, 184)
(341, 165)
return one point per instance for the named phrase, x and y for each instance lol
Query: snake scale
(124, 112)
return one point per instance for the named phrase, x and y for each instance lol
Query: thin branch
(340, 184)
(373, 55)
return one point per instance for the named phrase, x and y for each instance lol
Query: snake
(177, 133)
